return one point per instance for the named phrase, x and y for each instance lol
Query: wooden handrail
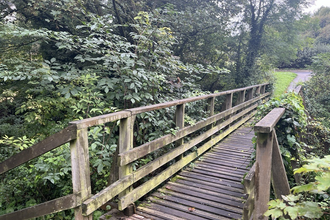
(268, 168)
(76, 133)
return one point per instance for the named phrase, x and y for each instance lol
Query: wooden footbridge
(209, 189)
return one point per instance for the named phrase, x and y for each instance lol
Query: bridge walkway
(209, 189)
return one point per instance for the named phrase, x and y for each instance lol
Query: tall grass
(283, 80)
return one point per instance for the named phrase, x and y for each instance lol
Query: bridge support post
(249, 94)
(81, 182)
(126, 131)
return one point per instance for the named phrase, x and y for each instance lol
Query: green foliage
(289, 127)
(306, 203)
(317, 89)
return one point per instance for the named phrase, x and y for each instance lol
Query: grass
(283, 80)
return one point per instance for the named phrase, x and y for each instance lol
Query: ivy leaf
(291, 140)
(292, 211)
(275, 213)
(323, 182)
(312, 210)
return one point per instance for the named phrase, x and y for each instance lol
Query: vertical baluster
(80, 170)
(126, 130)
(241, 97)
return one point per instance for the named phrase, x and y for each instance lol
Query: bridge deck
(212, 189)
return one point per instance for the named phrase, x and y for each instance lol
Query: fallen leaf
(191, 209)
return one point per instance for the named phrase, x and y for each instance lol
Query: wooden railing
(82, 200)
(267, 169)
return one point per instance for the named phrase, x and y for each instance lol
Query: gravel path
(302, 76)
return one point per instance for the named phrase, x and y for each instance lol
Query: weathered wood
(210, 105)
(154, 182)
(228, 102)
(108, 193)
(241, 97)
(179, 122)
(257, 92)
(266, 124)
(249, 94)
(263, 173)
(126, 130)
(102, 119)
(81, 183)
(138, 152)
(53, 206)
(263, 89)
(67, 134)
(279, 178)
(249, 189)
(183, 101)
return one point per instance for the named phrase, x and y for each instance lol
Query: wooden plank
(263, 174)
(81, 183)
(202, 200)
(266, 124)
(232, 190)
(102, 119)
(224, 199)
(165, 212)
(154, 182)
(203, 212)
(237, 187)
(67, 134)
(279, 178)
(209, 188)
(213, 212)
(149, 147)
(53, 206)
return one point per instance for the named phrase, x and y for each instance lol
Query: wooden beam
(266, 124)
(67, 134)
(81, 183)
(263, 174)
(102, 119)
(183, 101)
(279, 178)
(53, 206)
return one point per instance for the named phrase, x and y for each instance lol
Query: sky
(318, 4)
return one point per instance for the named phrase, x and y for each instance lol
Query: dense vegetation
(67, 59)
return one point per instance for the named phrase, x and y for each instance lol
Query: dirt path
(302, 76)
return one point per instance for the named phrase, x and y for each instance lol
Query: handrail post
(126, 130)
(263, 89)
(263, 174)
(228, 102)
(81, 182)
(269, 164)
(179, 122)
(249, 94)
(241, 97)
